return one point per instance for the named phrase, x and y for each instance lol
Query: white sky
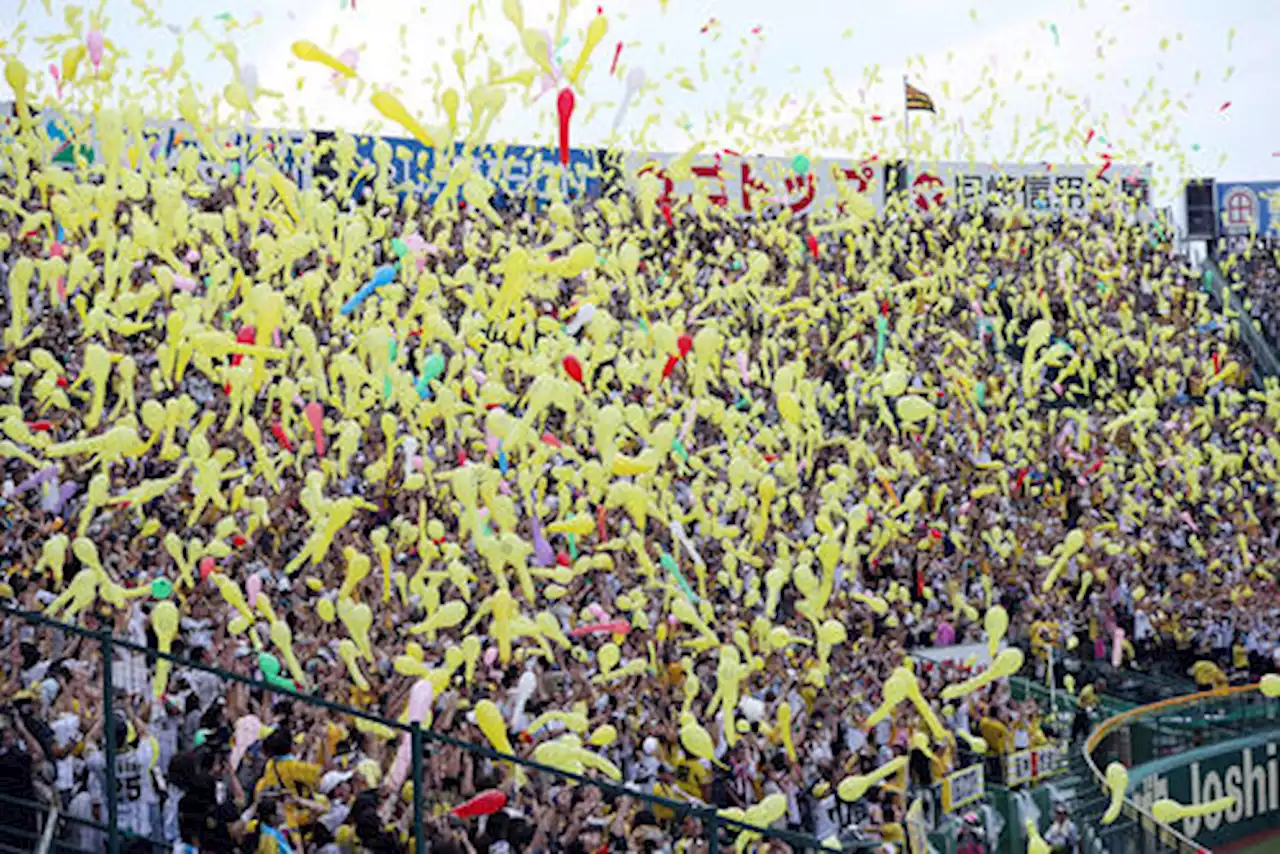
(1097, 70)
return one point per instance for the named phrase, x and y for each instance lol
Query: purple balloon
(45, 474)
(542, 551)
(59, 496)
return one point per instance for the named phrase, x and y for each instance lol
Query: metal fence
(25, 822)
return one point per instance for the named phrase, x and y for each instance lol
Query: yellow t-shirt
(294, 776)
(694, 778)
(995, 734)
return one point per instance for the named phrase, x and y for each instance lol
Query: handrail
(711, 818)
(1264, 356)
(1115, 722)
(50, 824)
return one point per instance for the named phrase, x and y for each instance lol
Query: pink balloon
(253, 587)
(415, 243)
(246, 735)
(490, 656)
(95, 43)
(184, 283)
(615, 627)
(349, 57)
(420, 697)
(193, 255)
(597, 610)
(315, 417)
(400, 767)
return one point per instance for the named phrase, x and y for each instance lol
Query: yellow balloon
(697, 740)
(913, 409)
(595, 32)
(164, 621)
(1270, 685)
(894, 383)
(609, 656)
(1118, 783)
(311, 52)
(996, 623)
(324, 609)
(389, 105)
(490, 721)
(1166, 810)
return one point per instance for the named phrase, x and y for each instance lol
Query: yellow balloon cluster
(677, 445)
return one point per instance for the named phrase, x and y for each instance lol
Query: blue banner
(1249, 208)
(517, 172)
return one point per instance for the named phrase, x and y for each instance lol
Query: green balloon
(800, 163)
(434, 366)
(398, 246)
(269, 665)
(161, 588)
(281, 682)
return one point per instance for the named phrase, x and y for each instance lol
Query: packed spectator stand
(1129, 424)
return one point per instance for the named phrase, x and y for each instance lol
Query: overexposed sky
(1015, 80)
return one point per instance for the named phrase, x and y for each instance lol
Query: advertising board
(1249, 208)
(1058, 188)
(1247, 769)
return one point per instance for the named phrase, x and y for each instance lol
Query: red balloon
(277, 430)
(813, 246)
(485, 803)
(206, 567)
(573, 368)
(666, 214)
(669, 366)
(564, 105)
(246, 335)
(685, 343)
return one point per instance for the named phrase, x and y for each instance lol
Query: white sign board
(1050, 187)
(753, 183)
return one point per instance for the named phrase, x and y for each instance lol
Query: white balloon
(249, 78)
(751, 708)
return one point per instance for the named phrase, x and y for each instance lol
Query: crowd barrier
(717, 830)
(1112, 741)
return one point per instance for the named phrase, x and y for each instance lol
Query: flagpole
(906, 117)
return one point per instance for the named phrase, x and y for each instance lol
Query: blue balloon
(384, 275)
(360, 296)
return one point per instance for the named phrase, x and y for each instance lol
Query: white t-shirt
(66, 731)
(134, 793)
(80, 836)
(825, 822)
(130, 673)
(206, 686)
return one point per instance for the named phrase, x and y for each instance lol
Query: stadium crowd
(1256, 274)
(954, 411)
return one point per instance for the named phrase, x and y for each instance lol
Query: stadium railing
(1265, 359)
(1218, 715)
(717, 829)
